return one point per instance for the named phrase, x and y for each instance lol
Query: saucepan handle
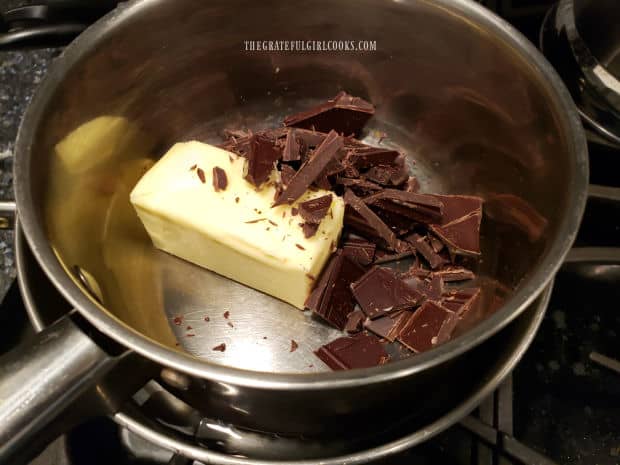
(39, 379)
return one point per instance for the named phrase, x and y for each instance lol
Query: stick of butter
(233, 231)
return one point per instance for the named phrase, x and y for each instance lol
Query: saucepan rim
(184, 362)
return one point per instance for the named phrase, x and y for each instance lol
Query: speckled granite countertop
(20, 72)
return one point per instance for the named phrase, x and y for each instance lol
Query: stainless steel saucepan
(457, 89)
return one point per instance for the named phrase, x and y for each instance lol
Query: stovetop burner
(560, 405)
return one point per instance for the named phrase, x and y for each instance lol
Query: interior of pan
(471, 115)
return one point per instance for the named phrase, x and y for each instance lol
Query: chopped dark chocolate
(309, 229)
(455, 273)
(314, 210)
(436, 244)
(429, 326)
(388, 327)
(461, 236)
(383, 257)
(424, 248)
(431, 289)
(292, 147)
(286, 174)
(366, 156)
(359, 351)
(201, 175)
(381, 291)
(343, 113)
(458, 206)
(336, 301)
(311, 169)
(220, 348)
(408, 204)
(355, 322)
(373, 221)
(360, 251)
(360, 186)
(220, 181)
(461, 300)
(379, 174)
(261, 156)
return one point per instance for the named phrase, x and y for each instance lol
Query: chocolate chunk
(286, 174)
(314, 210)
(360, 251)
(361, 186)
(461, 300)
(388, 327)
(343, 113)
(429, 326)
(455, 273)
(379, 174)
(381, 291)
(220, 348)
(336, 302)
(311, 169)
(359, 351)
(261, 156)
(458, 206)
(366, 156)
(220, 181)
(431, 288)
(314, 299)
(292, 147)
(309, 229)
(424, 248)
(372, 220)
(461, 236)
(355, 322)
(383, 257)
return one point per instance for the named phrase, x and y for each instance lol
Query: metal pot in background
(581, 38)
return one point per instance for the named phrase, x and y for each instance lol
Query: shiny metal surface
(461, 91)
(260, 449)
(35, 388)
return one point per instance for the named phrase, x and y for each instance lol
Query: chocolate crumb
(272, 223)
(207, 319)
(220, 348)
(264, 337)
(230, 324)
(226, 314)
(294, 345)
(236, 199)
(178, 320)
(220, 181)
(188, 328)
(193, 167)
(300, 247)
(190, 335)
(201, 175)
(255, 221)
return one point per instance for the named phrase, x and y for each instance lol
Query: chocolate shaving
(300, 247)
(220, 181)
(311, 169)
(428, 327)
(201, 175)
(359, 351)
(294, 345)
(220, 348)
(343, 113)
(261, 156)
(314, 210)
